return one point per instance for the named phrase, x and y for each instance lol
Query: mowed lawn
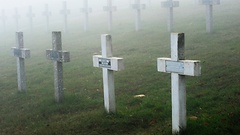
(212, 99)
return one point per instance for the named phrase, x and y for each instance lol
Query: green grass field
(212, 99)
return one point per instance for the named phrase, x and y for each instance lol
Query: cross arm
(168, 4)
(65, 12)
(86, 10)
(113, 63)
(110, 8)
(209, 2)
(138, 6)
(182, 67)
(21, 53)
(60, 56)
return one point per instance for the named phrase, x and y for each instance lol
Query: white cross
(58, 57)
(16, 16)
(30, 15)
(47, 13)
(170, 4)
(209, 13)
(21, 53)
(109, 8)
(138, 7)
(179, 68)
(86, 11)
(3, 18)
(108, 63)
(65, 13)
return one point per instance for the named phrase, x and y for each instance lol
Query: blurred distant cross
(209, 13)
(138, 7)
(86, 11)
(3, 18)
(170, 4)
(65, 12)
(47, 13)
(16, 16)
(30, 15)
(179, 68)
(109, 8)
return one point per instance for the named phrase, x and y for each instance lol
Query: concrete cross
(170, 4)
(47, 13)
(108, 63)
(65, 13)
(58, 57)
(86, 11)
(138, 7)
(209, 12)
(3, 18)
(179, 68)
(21, 53)
(16, 16)
(109, 8)
(30, 15)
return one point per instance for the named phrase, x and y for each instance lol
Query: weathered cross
(30, 15)
(16, 16)
(209, 12)
(58, 56)
(109, 8)
(3, 18)
(86, 11)
(21, 53)
(138, 7)
(108, 63)
(170, 4)
(65, 13)
(47, 13)
(179, 68)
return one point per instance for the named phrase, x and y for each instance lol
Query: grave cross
(209, 12)
(179, 68)
(170, 4)
(58, 56)
(109, 8)
(86, 11)
(138, 7)
(3, 18)
(16, 16)
(65, 13)
(21, 53)
(108, 63)
(47, 13)
(30, 15)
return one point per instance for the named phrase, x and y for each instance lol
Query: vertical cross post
(16, 16)
(47, 13)
(21, 53)
(58, 57)
(138, 7)
(170, 4)
(108, 63)
(179, 68)
(3, 18)
(209, 13)
(109, 8)
(86, 11)
(65, 13)
(30, 15)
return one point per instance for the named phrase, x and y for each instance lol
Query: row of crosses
(137, 6)
(176, 65)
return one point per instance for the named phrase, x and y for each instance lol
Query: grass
(213, 98)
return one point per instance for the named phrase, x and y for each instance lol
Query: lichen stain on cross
(179, 68)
